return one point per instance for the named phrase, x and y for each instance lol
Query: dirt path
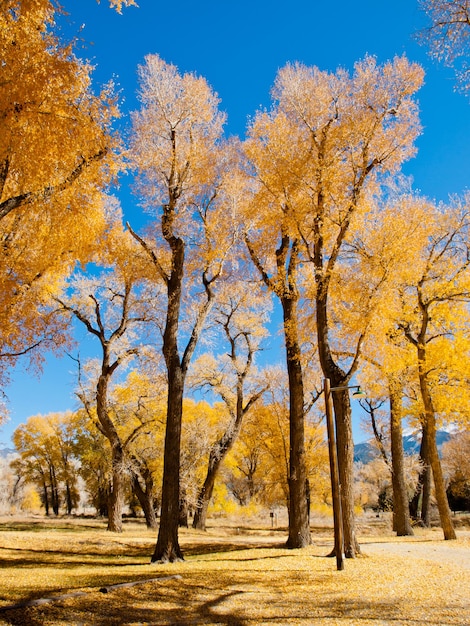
(440, 551)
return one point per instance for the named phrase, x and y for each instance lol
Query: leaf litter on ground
(234, 579)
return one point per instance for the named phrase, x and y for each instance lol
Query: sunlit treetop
(448, 36)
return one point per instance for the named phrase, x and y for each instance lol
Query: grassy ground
(238, 576)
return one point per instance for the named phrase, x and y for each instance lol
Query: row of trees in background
(63, 455)
(309, 211)
(63, 466)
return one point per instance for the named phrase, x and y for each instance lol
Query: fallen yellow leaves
(236, 580)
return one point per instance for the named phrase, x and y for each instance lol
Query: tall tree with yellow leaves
(45, 444)
(318, 158)
(184, 180)
(56, 157)
(434, 308)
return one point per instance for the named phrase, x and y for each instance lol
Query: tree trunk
(216, 457)
(299, 529)
(205, 493)
(345, 445)
(420, 503)
(116, 497)
(68, 498)
(426, 497)
(445, 514)
(145, 496)
(439, 484)
(184, 510)
(45, 497)
(401, 515)
(167, 548)
(54, 491)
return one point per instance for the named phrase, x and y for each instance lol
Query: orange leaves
(56, 158)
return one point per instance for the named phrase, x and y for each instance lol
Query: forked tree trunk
(401, 513)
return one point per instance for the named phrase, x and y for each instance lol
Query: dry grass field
(73, 572)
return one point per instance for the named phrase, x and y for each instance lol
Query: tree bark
(345, 445)
(420, 503)
(344, 436)
(167, 548)
(216, 457)
(401, 513)
(439, 484)
(145, 496)
(116, 496)
(285, 287)
(299, 529)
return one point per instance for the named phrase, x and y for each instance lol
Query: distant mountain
(4, 452)
(366, 452)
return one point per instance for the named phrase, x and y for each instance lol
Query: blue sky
(238, 47)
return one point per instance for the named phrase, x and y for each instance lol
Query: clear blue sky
(238, 47)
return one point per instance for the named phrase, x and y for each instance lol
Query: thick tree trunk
(345, 445)
(401, 515)
(299, 529)
(116, 497)
(167, 548)
(439, 484)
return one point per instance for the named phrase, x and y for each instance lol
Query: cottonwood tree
(275, 247)
(115, 308)
(434, 306)
(318, 157)
(45, 445)
(57, 154)
(448, 37)
(381, 250)
(183, 172)
(241, 315)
